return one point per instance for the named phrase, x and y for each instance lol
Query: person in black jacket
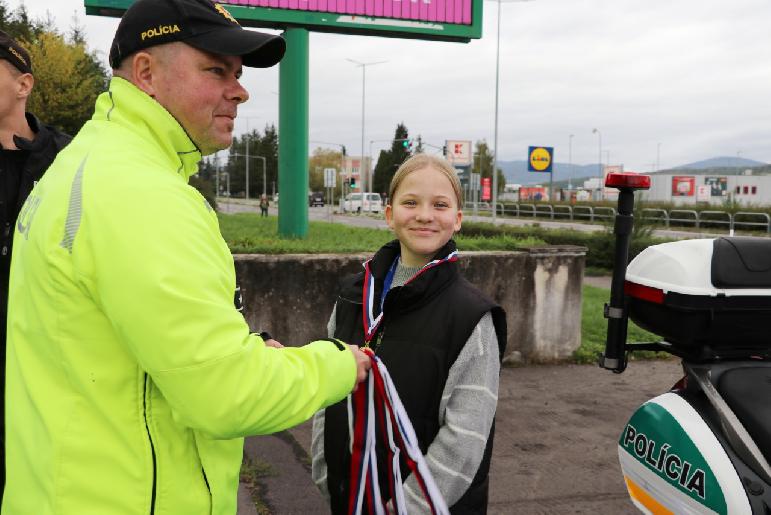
(27, 148)
(440, 338)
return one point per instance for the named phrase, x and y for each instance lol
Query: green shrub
(600, 244)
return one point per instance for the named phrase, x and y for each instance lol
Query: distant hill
(722, 162)
(516, 171)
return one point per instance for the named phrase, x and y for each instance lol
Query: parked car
(316, 198)
(353, 203)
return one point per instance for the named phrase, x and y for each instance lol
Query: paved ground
(555, 445)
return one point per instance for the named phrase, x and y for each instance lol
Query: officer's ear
(24, 84)
(141, 71)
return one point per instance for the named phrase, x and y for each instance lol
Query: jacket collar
(132, 108)
(424, 285)
(38, 141)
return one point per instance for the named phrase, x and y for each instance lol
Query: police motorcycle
(704, 446)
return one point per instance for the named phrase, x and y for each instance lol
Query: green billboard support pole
(293, 136)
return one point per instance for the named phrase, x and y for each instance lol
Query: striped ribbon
(371, 321)
(379, 403)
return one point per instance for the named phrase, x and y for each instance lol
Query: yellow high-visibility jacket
(131, 377)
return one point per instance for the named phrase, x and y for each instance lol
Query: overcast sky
(692, 75)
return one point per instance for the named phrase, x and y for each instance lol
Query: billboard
(532, 193)
(539, 159)
(683, 185)
(458, 152)
(444, 20)
(718, 186)
(486, 188)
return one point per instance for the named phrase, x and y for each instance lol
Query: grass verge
(248, 233)
(594, 327)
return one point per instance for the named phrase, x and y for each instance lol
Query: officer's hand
(363, 364)
(273, 343)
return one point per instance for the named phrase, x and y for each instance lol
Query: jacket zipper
(152, 446)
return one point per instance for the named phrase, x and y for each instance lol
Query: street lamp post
(264, 170)
(363, 82)
(248, 139)
(264, 173)
(570, 162)
(599, 159)
(658, 156)
(497, 83)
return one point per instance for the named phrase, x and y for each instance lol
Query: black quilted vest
(425, 325)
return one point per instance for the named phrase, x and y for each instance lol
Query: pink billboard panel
(446, 11)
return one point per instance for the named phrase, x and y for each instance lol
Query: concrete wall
(292, 296)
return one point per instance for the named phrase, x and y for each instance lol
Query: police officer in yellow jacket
(131, 377)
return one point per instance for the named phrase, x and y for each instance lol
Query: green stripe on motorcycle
(655, 439)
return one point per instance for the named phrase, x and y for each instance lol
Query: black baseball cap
(14, 53)
(202, 24)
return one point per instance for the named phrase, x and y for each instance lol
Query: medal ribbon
(370, 321)
(379, 402)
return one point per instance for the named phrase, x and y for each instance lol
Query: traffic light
(407, 144)
(353, 182)
(343, 150)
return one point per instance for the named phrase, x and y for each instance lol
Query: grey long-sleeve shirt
(466, 413)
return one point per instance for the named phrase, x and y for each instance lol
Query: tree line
(68, 76)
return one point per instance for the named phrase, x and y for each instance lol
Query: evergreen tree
(264, 145)
(483, 163)
(389, 160)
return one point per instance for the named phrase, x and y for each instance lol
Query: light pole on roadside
(248, 139)
(363, 67)
(570, 162)
(497, 84)
(599, 160)
(264, 170)
(658, 156)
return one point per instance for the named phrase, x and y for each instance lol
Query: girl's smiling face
(424, 214)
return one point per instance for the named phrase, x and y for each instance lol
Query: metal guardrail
(747, 214)
(707, 218)
(692, 217)
(663, 212)
(578, 212)
(608, 213)
(690, 212)
(569, 210)
(548, 208)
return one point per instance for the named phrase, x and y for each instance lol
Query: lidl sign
(444, 20)
(539, 159)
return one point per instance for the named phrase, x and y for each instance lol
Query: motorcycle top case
(673, 464)
(706, 297)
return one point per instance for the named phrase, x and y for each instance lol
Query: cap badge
(224, 12)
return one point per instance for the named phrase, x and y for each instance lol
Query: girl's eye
(408, 203)
(441, 205)
(217, 70)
